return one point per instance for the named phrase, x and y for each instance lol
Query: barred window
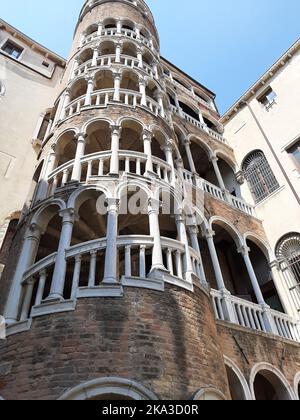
(288, 254)
(259, 176)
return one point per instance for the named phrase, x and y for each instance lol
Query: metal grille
(288, 253)
(259, 175)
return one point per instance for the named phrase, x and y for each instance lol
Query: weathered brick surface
(247, 348)
(166, 341)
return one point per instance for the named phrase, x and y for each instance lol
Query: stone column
(157, 256)
(75, 67)
(49, 167)
(100, 29)
(115, 146)
(147, 139)
(188, 267)
(140, 57)
(161, 104)
(155, 69)
(95, 57)
(244, 251)
(215, 260)
(110, 269)
(117, 86)
(168, 150)
(138, 32)
(118, 52)
(58, 279)
(193, 230)
(90, 89)
(283, 289)
(119, 27)
(80, 150)
(66, 102)
(26, 259)
(187, 145)
(214, 161)
(142, 84)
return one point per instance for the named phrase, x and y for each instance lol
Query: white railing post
(90, 89)
(157, 256)
(117, 86)
(143, 261)
(41, 287)
(128, 269)
(147, 138)
(92, 272)
(193, 230)
(181, 229)
(115, 145)
(80, 150)
(27, 300)
(76, 276)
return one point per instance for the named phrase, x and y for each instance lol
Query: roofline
(262, 81)
(191, 78)
(62, 61)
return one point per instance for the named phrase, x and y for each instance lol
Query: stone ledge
(147, 283)
(113, 291)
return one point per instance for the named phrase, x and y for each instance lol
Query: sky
(225, 45)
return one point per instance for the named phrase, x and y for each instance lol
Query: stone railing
(111, 32)
(134, 262)
(218, 193)
(253, 316)
(109, 60)
(199, 125)
(98, 165)
(103, 98)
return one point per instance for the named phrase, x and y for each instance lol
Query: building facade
(138, 270)
(263, 128)
(27, 70)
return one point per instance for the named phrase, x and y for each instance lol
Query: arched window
(288, 254)
(259, 176)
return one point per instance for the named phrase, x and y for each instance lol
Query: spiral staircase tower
(117, 299)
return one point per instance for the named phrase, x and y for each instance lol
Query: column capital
(153, 205)
(275, 264)
(147, 135)
(193, 229)
(115, 129)
(213, 158)
(117, 75)
(81, 136)
(34, 231)
(187, 142)
(142, 81)
(243, 250)
(68, 90)
(68, 215)
(168, 146)
(113, 205)
(179, 163)
(240, 177)
(209, 233)
(90, 79)
(53, 147)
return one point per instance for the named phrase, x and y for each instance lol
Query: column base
(54, 298)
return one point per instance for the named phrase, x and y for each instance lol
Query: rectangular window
(12, 49)
(267, 98)
(294, 151)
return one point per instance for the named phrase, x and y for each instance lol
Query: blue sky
(225, 44)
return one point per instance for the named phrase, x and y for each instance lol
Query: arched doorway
(269, 384)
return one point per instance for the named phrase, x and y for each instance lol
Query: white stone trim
(296, 384)
(109, 385)
(200, 395)
(259, 367)
(240, 376)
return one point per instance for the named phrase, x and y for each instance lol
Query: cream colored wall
(281, 211)
(27, 95)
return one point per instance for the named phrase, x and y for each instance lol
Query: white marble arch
(109, 386)
(263, 367)
(246, 390)
(296, 385)
(209, 394)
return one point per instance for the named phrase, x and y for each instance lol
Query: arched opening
(107, 48)
(232, 265)
(189, 111)
(127, 24)
(147, 58)
(103, 80)
(158, 142)
(236, 388)
(91, 29)
(269, 387)
(229, 178)
(51, 223)
(35, 184)
(259, 175)
(152, 90)
(129, 49)
(202, 162)
(65, 149)
(288, 255)
(78, 89)
(105, 388)
(86, 56)
(133, 222)
(201, 95)
(110, 24)
(182, 83)
(131, 136)
(130, 81)
(210, 124)
(264, 276)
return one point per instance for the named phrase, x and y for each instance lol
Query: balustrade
(250, 315)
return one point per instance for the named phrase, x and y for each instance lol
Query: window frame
(290, 149)
(15, 46)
